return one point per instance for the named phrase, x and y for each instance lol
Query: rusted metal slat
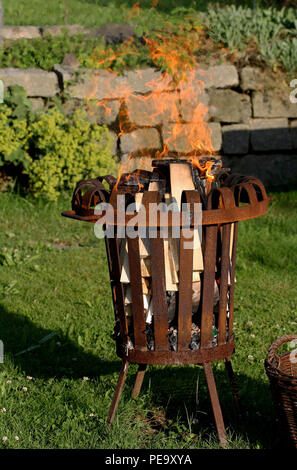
(118, 391)
(225, 265)
(216, 407)
(208, 285)
(232, 280)
(185, 291)
(159, 293)
(136, 293)
(112, 249)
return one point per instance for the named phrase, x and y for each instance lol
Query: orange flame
(174, 102)
(135, 10)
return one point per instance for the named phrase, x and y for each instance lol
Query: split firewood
(231, 241)
(230, 245)
(129, 315)
(173, 258)
(170, 261)
(181, 180)
(171, 277)
(145, 265)
(149, 313)
(230, 251)
(198, 264)
(128, 300)
(143, 251)
(143, 242)
(196, 276)
(145, 290)
(230, 255)
(144, 248)
(125, 274)
(138, 201)
(154, 186)
(145, 286)
(146, 302)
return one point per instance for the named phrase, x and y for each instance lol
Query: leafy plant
(13, 137)
(65, 150)
(129, 54)
(91, 51)
(44, 52)
(274, 31)
(54, 150)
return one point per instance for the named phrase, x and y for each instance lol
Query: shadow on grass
(174, 390)
(180, 391)
(58, 357)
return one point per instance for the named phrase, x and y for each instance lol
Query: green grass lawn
(216, 34)
(54, 280)
(95, 12)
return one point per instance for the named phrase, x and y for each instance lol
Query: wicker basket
(282, 374)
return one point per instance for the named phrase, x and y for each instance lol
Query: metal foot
(216, 408)
(118, 391)
(138, 380)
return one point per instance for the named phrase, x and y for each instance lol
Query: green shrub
(274, 31)
(91, 51)
(54, 150)
(66, 151)
(13, 138)
(45, 52)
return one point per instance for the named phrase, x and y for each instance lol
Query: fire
(173, 103)
(135, 10)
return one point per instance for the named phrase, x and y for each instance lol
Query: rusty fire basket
(235, 198)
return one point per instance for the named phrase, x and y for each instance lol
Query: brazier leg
(234, 388)
(138, 380)
(118, 391)
(215, 404)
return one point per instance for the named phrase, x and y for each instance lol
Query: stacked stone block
(251, 122)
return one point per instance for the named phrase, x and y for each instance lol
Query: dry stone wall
(253, 122)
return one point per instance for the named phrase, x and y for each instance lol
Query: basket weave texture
(282, 373)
